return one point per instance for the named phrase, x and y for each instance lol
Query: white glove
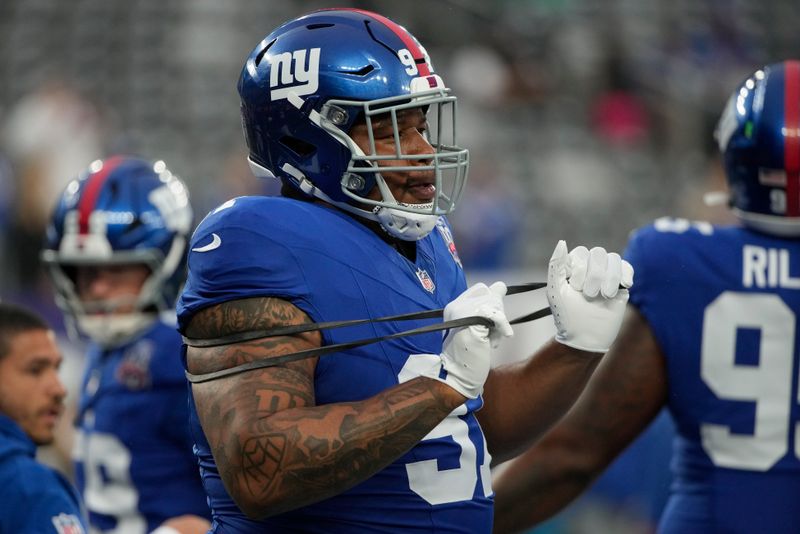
(587, 309)
(466, 351)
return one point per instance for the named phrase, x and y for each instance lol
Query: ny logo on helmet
(290, 69)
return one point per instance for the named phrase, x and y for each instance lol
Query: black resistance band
(241, 337)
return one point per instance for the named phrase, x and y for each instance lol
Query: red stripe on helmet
(92, 191)
(411, 44)
(791, 145)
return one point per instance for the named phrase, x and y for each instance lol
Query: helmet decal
(791, 145)
(413, 55)
(290, 74)
(100, 172)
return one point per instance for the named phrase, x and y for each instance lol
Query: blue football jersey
(723, 305)
(134, 463)
(334, 268)
(33, 497)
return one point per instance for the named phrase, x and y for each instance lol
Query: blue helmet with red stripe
(759, 137)
(309, 81)
(120, 211)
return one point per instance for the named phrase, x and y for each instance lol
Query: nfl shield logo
(134, 370)
(425, 280)
(448, 239)
(67, 524)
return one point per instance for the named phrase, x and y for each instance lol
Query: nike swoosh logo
(215, 243)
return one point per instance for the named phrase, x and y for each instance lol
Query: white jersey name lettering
(767, 267)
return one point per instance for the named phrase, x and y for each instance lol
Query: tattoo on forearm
(271, 443)
(324, 452)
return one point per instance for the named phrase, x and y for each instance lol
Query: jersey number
(108, 488)
(768, 384)
(425, 478)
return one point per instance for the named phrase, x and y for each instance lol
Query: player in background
(115, 250)
(33, 497)
(710, 334)
(344, 106)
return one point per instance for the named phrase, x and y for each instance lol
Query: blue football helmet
(122, 210)
(309, 81)
(759, 137)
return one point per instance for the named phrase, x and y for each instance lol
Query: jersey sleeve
(647, 265)
(670, 258)
(238, 253)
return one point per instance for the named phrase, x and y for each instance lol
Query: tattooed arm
(274, 448)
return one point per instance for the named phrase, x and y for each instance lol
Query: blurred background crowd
(585, 119)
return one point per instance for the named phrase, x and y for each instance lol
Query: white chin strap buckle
(405, 225)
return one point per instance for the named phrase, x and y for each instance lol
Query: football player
(710, 334)
(345, 107)
(116, 249)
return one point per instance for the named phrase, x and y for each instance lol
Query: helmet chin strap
(404, 225)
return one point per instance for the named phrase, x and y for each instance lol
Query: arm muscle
(275, 449)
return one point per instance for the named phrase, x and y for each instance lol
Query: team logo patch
(291, 73)
(448, 240)
(425, 280)
(67, 524)
(134, 369)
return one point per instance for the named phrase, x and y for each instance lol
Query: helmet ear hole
(300, 148)
(134, 225)
(71, 272)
